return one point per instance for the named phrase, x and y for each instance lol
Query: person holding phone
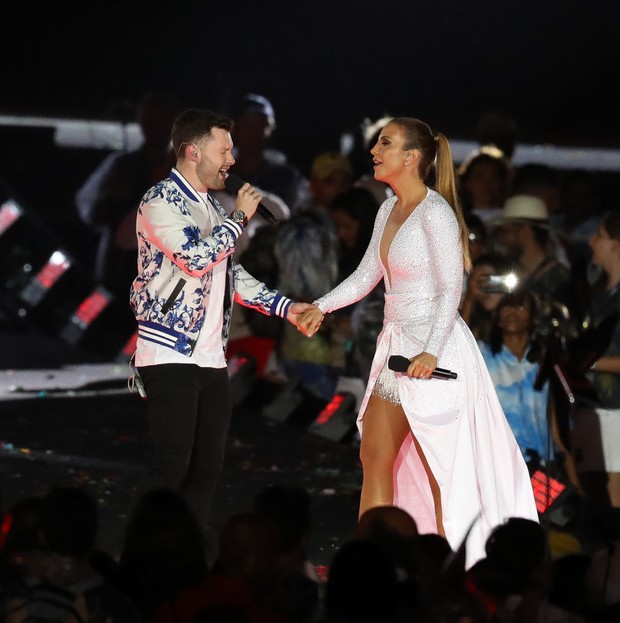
(484, 288)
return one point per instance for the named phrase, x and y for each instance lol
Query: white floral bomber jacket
(180, 239)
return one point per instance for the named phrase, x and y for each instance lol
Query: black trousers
(189, 410)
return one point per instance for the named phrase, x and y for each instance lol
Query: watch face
(238, 216)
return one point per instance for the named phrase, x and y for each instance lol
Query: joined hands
(307, 317)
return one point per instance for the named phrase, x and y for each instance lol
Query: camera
(501, 284)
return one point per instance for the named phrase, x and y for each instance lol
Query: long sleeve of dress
(446, 262)
(363, 279)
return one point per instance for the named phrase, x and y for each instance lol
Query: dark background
(325, 65)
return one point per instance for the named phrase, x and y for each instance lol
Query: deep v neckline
(386, 263)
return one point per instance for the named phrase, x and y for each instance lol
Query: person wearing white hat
(527, 208)
(523, 233)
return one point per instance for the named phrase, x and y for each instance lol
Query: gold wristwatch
(239, 216)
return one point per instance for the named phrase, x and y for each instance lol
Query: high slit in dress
(459, 424)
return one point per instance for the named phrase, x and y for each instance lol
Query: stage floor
(78, 425)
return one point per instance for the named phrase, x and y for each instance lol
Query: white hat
(527, 208)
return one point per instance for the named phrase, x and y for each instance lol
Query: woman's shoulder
(437, 201)
(436, 210)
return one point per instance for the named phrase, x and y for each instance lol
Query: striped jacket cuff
(234, 228)
(280, 306)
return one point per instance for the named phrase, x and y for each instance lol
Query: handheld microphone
(398, 363)
(233, 183)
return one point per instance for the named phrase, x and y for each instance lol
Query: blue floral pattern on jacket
(181, 237)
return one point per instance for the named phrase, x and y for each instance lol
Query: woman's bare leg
(385, 429)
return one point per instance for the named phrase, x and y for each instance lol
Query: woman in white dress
(440, 449)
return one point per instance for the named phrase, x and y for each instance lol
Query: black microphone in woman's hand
(234, 183)
(398, 363)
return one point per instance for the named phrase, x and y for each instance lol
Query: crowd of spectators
(260, 571)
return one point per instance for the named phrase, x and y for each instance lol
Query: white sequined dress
(459, 423)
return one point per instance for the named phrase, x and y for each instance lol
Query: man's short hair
(194, 124)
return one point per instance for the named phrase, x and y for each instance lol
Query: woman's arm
(444, 244)
(364, 278)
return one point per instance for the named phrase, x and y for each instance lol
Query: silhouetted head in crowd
(497, 129)
(394, 529)
(580, 197)
(484, 180)
(249, 547)
(70, 521)
(163, 551)
(255, 122)
(257, 161)
(434, 549)
(386, 518)
(514, 550)
(362, 584)
(163, 526)
(289, 508)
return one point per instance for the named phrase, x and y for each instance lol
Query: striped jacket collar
(191, 192)
(184, 185)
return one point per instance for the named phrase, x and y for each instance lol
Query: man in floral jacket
(182, 299)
